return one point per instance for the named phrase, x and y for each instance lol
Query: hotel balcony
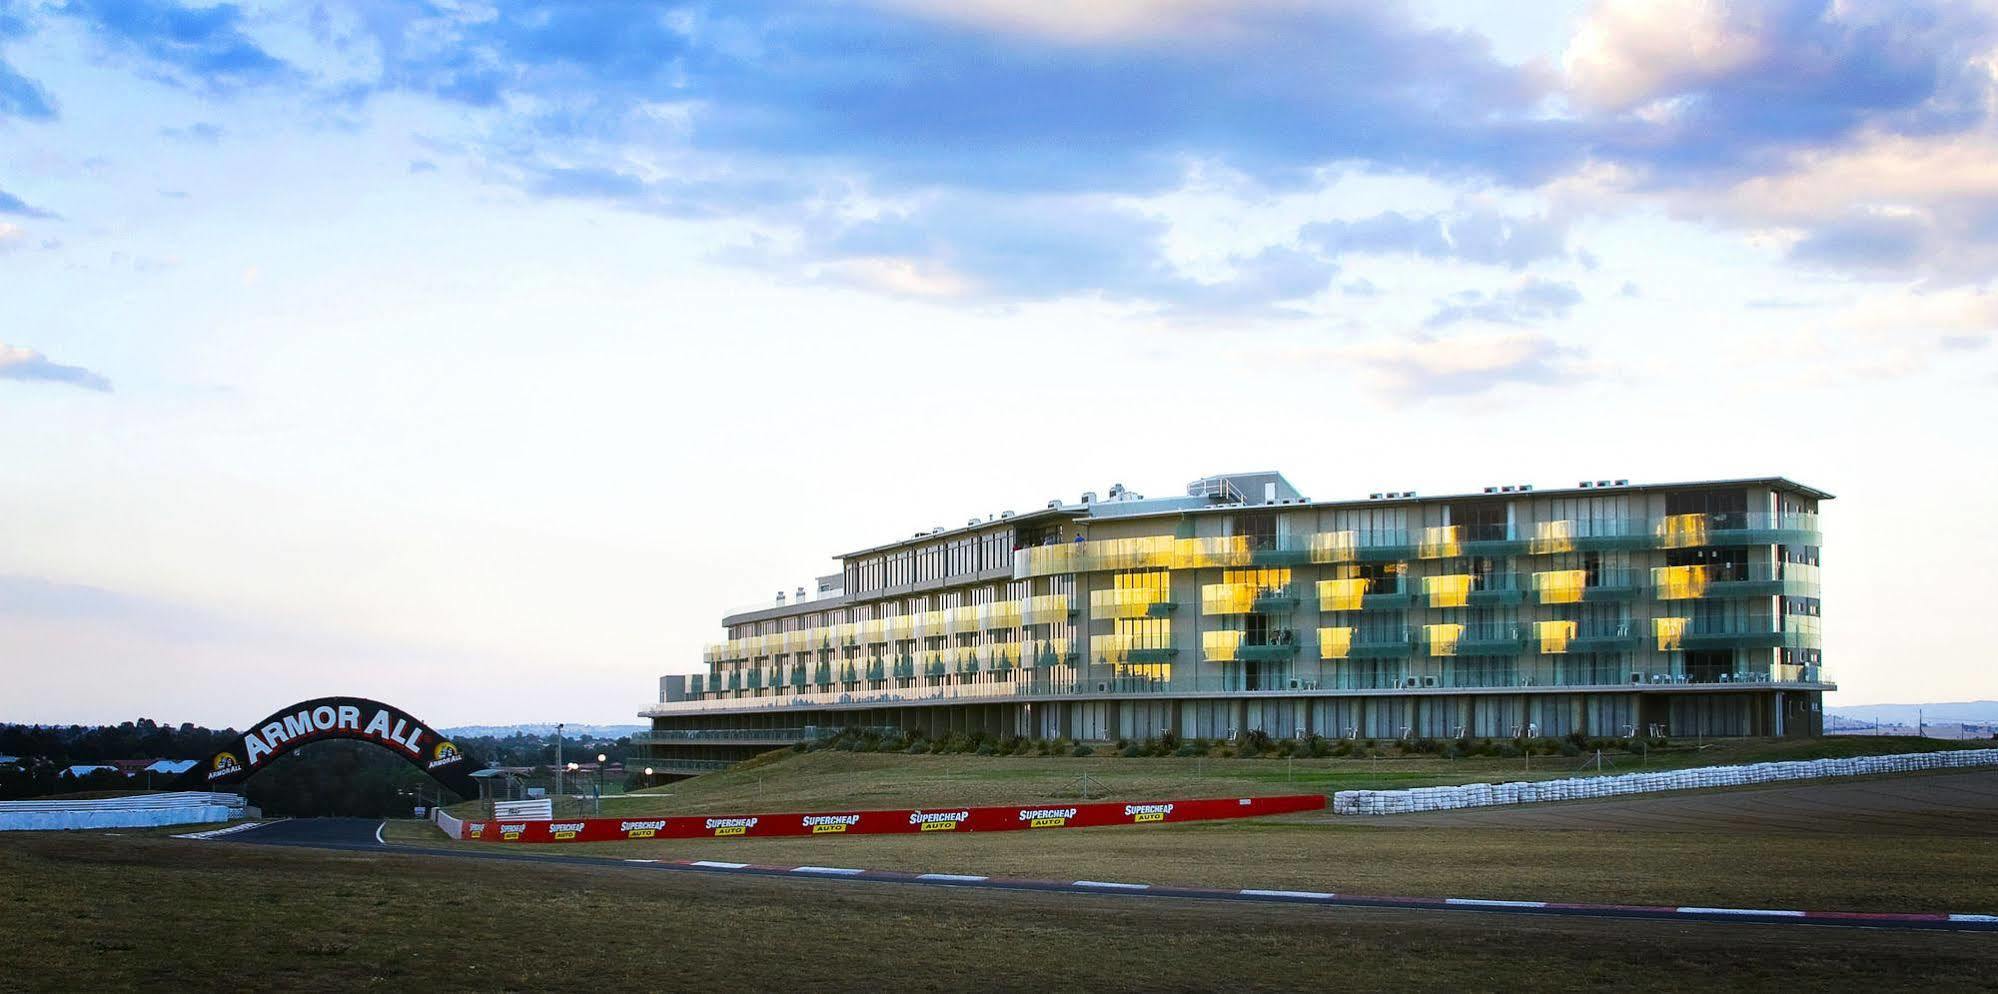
(1245, 598)
(1131, 649)
(1129, 603)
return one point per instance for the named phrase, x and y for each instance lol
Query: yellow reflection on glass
(1442, 639)
(1552, 536)
(1670, 632)
(1677, 583)
(1453, 590)
(1441, 542)
(1554, 635)
(1335, 643)
(1342, 595)
(1560, 586)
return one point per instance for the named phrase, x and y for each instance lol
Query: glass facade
(1566, 610)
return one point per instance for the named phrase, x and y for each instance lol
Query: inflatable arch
(355, 718)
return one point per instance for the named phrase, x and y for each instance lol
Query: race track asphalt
(364, 835)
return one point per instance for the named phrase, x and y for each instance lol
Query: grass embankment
(1730, 862)
(1746, 868)
(785, 780)
(83, 912)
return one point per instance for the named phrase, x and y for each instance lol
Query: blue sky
(476, 355)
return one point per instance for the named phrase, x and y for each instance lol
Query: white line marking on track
(378, 834)
(718, 865)
(1738, 911)
(836, 870)
(1973, 918)
(1475, 902)
(1109, 883)
(1313, 894)
(231, 830)
(963, 878)
(641, 861)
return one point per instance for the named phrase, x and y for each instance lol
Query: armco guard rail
(908, 821)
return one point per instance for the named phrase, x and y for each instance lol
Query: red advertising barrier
(967, 819)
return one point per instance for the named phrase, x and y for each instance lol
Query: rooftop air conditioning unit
(1373, 496)
(1429, 681)
(1623, 483)
(1089, 496)
(973, 523)
(1055, 502)
(1491, 490)
(1585, 485)
(1524, 487)
(1410, 682)
(1602, 483)
(1003, 515)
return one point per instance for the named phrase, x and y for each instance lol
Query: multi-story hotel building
(1610, 609)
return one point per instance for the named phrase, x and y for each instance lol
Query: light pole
(601, 760)
(558, 758)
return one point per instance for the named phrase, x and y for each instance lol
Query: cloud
(993, 248)
(23, 97)
(28, 365)
(200, 132)
(204, 47)
(1529, 301)
(1459, 366)
(419, 166)
(1861, 136)
(1479, 235)
(915, 99)
(20, 96)
(10, 204)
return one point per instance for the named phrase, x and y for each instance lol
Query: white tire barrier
(138, 811)
(1481, 795)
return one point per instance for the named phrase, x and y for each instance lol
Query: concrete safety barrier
(137, 811)
(1480, 795)
(1055, 815)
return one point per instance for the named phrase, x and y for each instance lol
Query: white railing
(1479, 795)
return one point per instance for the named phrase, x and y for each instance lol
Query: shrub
(1168, 743)
(1080, 751)
(1570, 749)
(1189, 749)
(987, 749)
(1131, 751)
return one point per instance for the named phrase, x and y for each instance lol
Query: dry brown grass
(83, 912)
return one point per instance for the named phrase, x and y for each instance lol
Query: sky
(476, 356)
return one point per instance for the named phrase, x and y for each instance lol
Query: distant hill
(569, 731)
(1980, 712)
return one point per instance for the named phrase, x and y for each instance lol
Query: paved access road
(316, 833)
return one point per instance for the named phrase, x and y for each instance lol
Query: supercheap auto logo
(731, 826)
(444, 754)
(641, 829)
(225, 764)
(1046, 817)
(564, 830)
(937, 821)
(1147, 812)
(822, 824)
